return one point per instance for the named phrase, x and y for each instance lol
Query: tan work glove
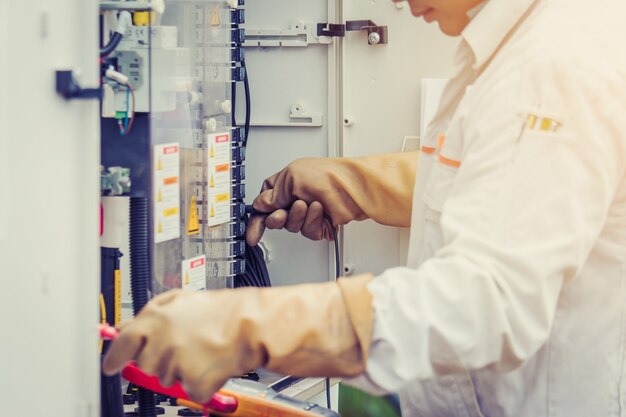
(204, 338)
(377, 187)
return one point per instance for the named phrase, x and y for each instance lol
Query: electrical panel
(168, 139)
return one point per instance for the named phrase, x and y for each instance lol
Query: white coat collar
(492, 23)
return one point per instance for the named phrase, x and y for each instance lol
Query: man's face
(450, 14)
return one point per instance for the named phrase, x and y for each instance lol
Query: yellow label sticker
(143, 18)
(212, 182)
(193, 224)
(212, 210)
(212, 153)
(222, 197)
(103, 309)
(160, 195)
(546, 124)
(159, 165)
(117, 289)
(187, 282)
(160, 228)
(543, 124)
(170, 212)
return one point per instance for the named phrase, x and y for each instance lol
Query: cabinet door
(49, 208)
(293, 91)
(374, 89)
(381, 103)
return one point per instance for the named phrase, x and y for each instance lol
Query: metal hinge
(376, 35)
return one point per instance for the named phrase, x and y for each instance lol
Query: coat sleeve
(521, 214)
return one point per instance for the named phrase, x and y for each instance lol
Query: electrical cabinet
(182, 154)
(310, 96)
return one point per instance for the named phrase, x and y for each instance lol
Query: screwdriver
(238, 398)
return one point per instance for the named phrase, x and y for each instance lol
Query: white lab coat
(513, 302)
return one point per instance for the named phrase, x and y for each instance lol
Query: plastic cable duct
(140, 276)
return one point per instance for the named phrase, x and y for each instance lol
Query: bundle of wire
(256, 274)
(337, 276)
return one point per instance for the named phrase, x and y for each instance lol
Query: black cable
(264, 273)
(334, 232)
(337, 276)
(256, 273)
(246, 88)
(255, 260)
(328, 393)
(233, 87)
(233, 99)
(114, 42)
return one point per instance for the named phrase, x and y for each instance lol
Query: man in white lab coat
(513, 300)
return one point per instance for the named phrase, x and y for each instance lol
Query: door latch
(376, 35)
(68, 87)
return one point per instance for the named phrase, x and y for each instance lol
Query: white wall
(49, 195)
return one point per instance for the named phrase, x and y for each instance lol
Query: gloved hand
(378, 187)
(204, 338)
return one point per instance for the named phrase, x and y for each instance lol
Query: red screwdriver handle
(219, 403)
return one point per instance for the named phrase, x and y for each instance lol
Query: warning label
(194, 274)
(215, 15)
(218, 188)
(166, 192)
(193, 223)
